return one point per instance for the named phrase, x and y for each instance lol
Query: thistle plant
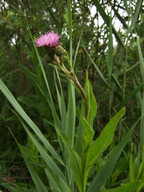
(71, 169)
(66, 148)
(56, 52)
(81, 164)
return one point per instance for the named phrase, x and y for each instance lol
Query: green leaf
(70, 28)
(127, 187)
(96, 67)
(61, 102)
(76, 52)
(135, 16)
(45, 156)
(142, 104)
(110, 50)
(33, 78)
(107, 169)
(88, 131)
(36, 179)
(131, 166)
(99, 145)
(92, 105)
(138, 94)
(75, 160)
(126, 6)
(141, 60)
(121, 19)
(106, 19)
(9, 187)
(27, 119)
(141, 168)
(28, 101)
(116, 81)
(57, 184)
(71, 112)
(104, 140)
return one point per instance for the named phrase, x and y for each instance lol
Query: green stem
(83, 172)
(71, 75)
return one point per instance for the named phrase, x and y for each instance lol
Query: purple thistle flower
(48, 39)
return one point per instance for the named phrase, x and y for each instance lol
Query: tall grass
(79, 157)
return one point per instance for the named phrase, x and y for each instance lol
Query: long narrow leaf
(76, 52)
(48, 160)
(127, 187)
(57, 183)
(142, 104)
(27, 119)
(138, 94)
(36, 179)
(120, 18)
(135, 16)
(104, 140)
(110, 50)
(106, 19)
(96, 67)
(75, 160)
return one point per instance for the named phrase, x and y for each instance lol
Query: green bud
(59, 50)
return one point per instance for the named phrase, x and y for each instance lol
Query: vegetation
(72, 119)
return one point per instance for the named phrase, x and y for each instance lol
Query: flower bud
(59, 50)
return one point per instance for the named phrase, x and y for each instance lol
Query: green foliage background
(113, 60)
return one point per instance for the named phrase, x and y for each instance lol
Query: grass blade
(70, 28)
(106, 19)
(135, 16)
(138, 94)
(36, 179)
(27, 119)
(96, 67)
(71, 110)
(76, 52)
(120, 18)
(48, 160)
(57, 184)
(110, 50)
(142, 104)
(131, 165)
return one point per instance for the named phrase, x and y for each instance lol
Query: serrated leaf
(99, 145)
(104, 140)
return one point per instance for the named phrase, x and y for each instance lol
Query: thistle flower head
(49, 39)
